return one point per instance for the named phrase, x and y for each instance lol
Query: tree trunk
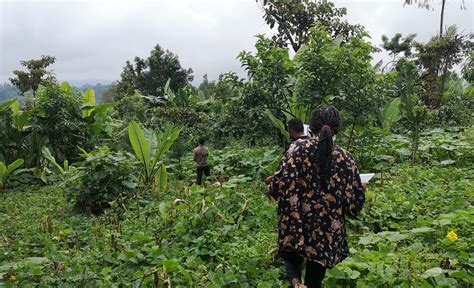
(441, 21)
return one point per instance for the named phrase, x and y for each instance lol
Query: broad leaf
(3, 169)
(161, 179)
(278, 124)
(14, 165)
(391, 113)
(7, 104)
(47, 154)
(140, 145)
(89, 99)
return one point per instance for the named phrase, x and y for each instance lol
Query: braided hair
(325, 122)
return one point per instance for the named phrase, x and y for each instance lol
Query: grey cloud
(93, 39)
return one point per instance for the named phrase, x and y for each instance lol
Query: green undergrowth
(225, 236)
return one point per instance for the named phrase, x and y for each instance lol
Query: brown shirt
(200, 154)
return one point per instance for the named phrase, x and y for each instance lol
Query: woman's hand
(365, 185)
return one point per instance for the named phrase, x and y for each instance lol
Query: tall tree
(437, 58)
(37, 73)
(149, 75)
(294, 18)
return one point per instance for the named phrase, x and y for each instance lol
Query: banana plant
(390, 114)
(62, 169)
(7, 170)
(150, 147)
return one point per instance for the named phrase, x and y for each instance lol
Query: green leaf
(421, 230)
(395, 236)
(22, 119)
(2, 172)
(161, 179)
(89, 99)
(10, 168)
(140, 145)
(391, 113)
(278, 124)
(166, 140)
(47, 154)
(38, 260)
(433, 272)
(7, 104)
(15, 106)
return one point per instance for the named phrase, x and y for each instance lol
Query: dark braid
(324, 123)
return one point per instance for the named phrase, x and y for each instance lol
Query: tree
(150, 75)
(397, 45)
(37, 73)
(468, 69)
(110, 94)
(294, 18)
(324, 70)
(437, 57)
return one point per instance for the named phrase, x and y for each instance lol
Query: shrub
(103, 177)
(60, 120)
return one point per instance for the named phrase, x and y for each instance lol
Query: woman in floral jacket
(316, 184)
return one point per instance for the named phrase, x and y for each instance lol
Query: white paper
(366, 177)
(306, 128)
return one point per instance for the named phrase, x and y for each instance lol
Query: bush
(102, 178)
(60, 121)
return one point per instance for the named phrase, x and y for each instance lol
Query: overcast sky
(92, 39)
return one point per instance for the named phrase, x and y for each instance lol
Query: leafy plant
(7, 170)
(103, 178)
(149, 148)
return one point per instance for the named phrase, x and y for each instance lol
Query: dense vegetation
(100, 193)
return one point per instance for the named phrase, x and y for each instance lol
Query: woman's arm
(354, 189)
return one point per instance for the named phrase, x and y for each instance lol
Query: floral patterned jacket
(311, 219)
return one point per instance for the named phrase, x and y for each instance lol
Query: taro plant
(7, 170)
(149, 147)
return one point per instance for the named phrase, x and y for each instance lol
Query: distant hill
(98, 88)
(8, 91)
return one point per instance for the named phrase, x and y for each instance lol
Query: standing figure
(317, 185)
(200, 155)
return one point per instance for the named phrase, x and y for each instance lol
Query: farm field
(415, 231)
(106, 133)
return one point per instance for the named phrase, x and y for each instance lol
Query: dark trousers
(199, 170)
(314, 274)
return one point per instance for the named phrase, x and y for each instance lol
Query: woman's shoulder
(342, 153)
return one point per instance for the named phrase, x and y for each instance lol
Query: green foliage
(324, 70)
(395, 47)
(7, 170)
(103, 178)
(150, 75)
(36, 75)
(293, 19)
(458, 106)
(437, 58)
(468, 69)
(390, 114)
(150, 148)
(225, 236)
(60, 121)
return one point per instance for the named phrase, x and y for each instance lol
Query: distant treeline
(8, 91)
